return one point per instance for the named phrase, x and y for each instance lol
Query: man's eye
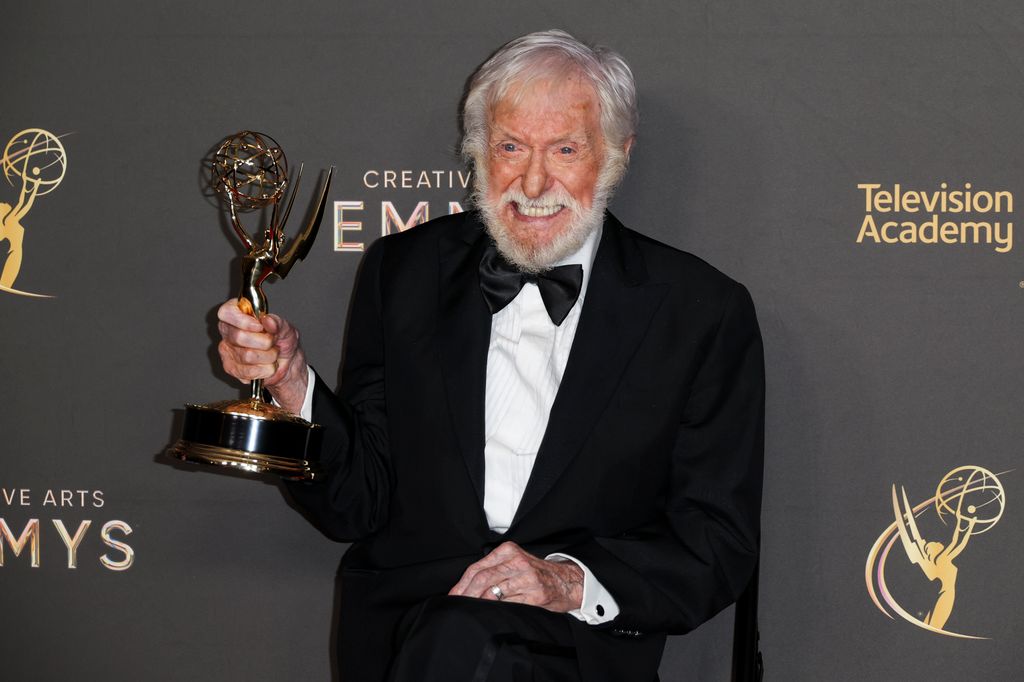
(508, 147)
(566, 150)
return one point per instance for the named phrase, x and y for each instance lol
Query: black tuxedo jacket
(649, 472)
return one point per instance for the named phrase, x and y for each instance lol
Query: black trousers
(459, 639)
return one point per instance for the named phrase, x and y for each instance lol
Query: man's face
(544, 158)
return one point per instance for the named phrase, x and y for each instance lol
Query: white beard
(533, 258)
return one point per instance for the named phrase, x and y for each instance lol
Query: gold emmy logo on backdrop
(34, 162)
(250, 172)
(969, 501)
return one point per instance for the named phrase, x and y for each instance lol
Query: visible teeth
(539, 211)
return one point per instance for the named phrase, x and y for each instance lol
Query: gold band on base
(251, 462)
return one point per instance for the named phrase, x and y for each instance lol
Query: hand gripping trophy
(250, 172)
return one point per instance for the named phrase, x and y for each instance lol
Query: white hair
(553, 54)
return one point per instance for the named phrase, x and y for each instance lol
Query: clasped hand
(267, 348)
(523, 578)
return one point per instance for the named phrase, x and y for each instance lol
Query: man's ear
(627, 147)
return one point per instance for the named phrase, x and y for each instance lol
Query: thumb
(271, 323)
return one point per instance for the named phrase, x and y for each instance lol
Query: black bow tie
(500, 282)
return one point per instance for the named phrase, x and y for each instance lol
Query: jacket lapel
(616, 312)
(464, 329)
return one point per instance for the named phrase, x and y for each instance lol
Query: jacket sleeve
(680, 569)
(350, 501)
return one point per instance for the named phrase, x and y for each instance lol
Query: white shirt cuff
(599, 606)
(307, 403)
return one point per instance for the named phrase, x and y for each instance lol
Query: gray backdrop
(887, 363)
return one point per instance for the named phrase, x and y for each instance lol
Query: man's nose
(535, 179)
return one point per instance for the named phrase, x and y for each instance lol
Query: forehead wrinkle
(579, 135)
(579, 119)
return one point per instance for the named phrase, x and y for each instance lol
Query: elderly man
(547, 443)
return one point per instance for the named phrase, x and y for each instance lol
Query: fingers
(286, 337)
(508, 567)
(272, 323)
(259, 340)
(522, 578)
(498, 555)
(253, 348)
(230, 313)
(502, 575)
(240, 329)
(246, 364)
(508, 589)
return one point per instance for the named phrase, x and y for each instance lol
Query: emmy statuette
(250, 172)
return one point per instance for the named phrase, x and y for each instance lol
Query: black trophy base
(251, 436)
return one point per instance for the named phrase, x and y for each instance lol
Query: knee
(455, 615)
(442, 639)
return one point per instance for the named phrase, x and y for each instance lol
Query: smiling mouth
(537, 211)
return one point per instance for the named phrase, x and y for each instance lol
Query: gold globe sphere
(250, 170)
